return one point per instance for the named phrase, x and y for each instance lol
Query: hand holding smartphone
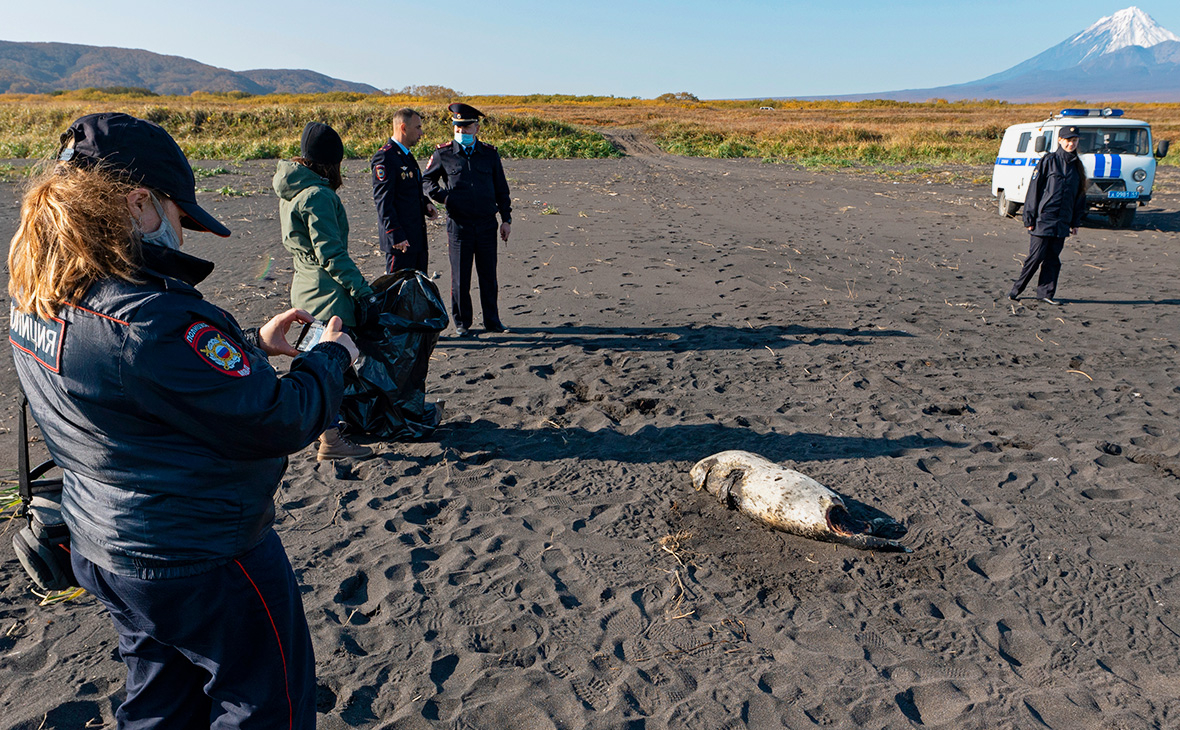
(310, 336)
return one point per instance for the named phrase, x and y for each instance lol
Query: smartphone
(310, 336)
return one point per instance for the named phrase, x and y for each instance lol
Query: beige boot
(335, 446)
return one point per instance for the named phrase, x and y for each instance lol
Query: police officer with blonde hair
(172, 431)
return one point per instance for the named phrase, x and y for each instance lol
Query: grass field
(820, 133)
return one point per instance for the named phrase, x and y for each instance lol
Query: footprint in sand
(1000, 516)
(995, 566)
(473, 611)
(1021, 647)
(592, 691)
(504, 637)
(937, 703)
(353, 590)
(1098, 494)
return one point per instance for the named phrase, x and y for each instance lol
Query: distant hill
(1123, 57)
(40, 68)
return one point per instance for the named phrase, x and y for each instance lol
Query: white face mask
(165, 235)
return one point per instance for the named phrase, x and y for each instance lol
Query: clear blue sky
(716, 49)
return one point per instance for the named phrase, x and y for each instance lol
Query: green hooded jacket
(315, 230)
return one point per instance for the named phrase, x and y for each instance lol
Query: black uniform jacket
(473, 187)
(397, 191)
(171, 429)
(1056, 198)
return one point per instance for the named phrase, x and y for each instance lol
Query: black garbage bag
(385, 393)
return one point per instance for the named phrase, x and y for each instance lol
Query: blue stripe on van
(1099, 166)
(1116, 166)
(1017, 161)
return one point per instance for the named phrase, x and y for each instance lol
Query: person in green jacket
(327, 281)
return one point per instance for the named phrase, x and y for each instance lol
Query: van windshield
(1113, 141)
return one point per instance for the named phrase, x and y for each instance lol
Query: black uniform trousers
(1044, 252)
(467, 242)
(415, 257)
(226, 648)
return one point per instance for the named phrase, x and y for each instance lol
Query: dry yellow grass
(824, 132)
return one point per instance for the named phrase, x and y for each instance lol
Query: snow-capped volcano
(1129, 27)
(1124, 29)
(1122, 57)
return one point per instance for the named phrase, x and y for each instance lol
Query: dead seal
(789, 501)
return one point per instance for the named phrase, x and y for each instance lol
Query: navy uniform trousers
(469, 241)
(240, 625)
(1044, 252)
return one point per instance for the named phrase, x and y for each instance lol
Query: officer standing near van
(397, 192)
(1053, 209)
(467, 176)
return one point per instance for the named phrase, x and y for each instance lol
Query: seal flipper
(887, 528)
(872, 535)
(725, 487)
(867, 542)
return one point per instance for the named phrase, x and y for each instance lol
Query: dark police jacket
(473, 187)
(172, 431)
(397, 191)
(1056, 198)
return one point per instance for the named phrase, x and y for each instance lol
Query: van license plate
(1122, 195)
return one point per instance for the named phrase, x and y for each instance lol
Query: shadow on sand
(654, 444)
(1172, 302)
(678, 339)
(1151, 219)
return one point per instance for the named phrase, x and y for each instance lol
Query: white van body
(1116, 153)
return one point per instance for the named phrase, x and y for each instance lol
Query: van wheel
(1123, 217)
(1007, 207)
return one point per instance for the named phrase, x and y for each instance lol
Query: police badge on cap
(464, 113)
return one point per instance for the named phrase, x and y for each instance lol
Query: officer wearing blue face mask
(467, 176)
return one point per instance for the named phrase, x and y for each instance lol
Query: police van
(1116, 153)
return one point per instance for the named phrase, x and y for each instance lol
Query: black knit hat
(142, 153)
(321, 144)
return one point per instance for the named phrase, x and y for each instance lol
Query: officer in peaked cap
(467, 176)
(1053, 209)
(464, 113)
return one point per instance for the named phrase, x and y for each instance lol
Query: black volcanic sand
(545, 563)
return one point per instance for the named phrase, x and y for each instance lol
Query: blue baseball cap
(143, 154)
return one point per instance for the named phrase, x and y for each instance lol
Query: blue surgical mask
(464, 139)
(165, 235)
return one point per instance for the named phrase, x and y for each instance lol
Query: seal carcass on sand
(789, 501)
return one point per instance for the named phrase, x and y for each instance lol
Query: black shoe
(497, 328)
(461, 331)
(1014, 297)
(1048, 300)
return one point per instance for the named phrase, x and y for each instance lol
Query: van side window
(1022, 146)
(1048, 135)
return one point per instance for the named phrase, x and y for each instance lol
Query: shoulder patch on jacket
(218, 350)
(39, 337)
(379, 171)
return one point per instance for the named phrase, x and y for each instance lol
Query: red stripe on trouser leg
(279, 641)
